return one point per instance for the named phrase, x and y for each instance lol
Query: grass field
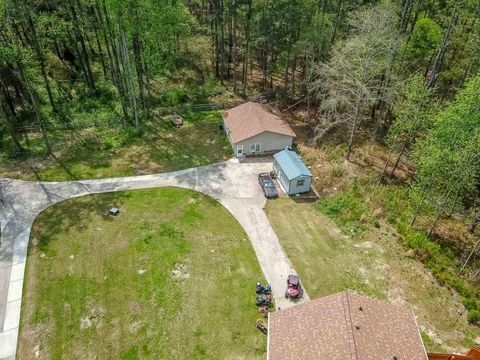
(171, 277)
(372, 263)
(102, 153)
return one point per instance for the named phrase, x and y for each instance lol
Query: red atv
(294, 289)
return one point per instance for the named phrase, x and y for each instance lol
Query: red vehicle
(294, 289)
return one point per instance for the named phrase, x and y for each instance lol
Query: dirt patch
(180, 272)
(36, 352)
(135, 326)
(364, 245)
(407, 282)
(94, 318)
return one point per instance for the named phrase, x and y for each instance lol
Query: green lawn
(172, 277)
(324, 258)
(102, 153)
(369, 261)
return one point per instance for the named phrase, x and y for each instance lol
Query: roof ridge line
(252, 105)
(296, 158)
(349, 325)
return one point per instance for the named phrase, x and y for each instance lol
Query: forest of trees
(406, 72)
(349, 59)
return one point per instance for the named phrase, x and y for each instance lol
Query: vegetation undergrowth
(364, 202)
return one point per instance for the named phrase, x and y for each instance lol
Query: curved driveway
(232, 183)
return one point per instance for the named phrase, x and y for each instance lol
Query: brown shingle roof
(345, 326)
(250, 119)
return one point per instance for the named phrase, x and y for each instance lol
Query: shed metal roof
(291, 164)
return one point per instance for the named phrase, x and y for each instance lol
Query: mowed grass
(103, 153)
(371, 263)
(325, 259)
(171, 277)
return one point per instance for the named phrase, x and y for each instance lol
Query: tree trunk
(11, 129)
(474, 223)
(234, 46)
(247, 49)
(41, 60)
(99, 44)
(354, 125)
(285, 75)
(406, 13)
(437, 65)
(215, 9)
(147, 84)
(81, 39)
(294, 70)
(128, 71)
(385, 167)
(440, 212)
(36, 110)
(114, 59)
(399, 157)
(222, 43)
(418, 208)
(137, 51)
(469, 256)
(465, 74)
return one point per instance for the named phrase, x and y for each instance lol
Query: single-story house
(254, 128)
(292, 173)
(344, 326)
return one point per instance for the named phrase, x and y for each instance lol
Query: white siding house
(254, 129)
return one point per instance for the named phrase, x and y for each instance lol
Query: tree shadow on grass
(62, 169)
(76, 214)
(198, 142)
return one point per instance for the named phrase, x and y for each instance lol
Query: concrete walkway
(232, 183)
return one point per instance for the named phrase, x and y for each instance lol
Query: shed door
(239, 150)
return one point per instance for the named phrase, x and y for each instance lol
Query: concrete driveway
(232, 183)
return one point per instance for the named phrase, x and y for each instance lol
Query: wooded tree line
(347, 58)
(57, 55)
(402, 71)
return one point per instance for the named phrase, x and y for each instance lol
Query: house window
(239, 150)
(255, 147)
(301, 182)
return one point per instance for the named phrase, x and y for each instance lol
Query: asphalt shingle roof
(345, 326)
(291, 164)
(249, 119)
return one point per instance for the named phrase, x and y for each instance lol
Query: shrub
(473, 316)
(346, 208)
(470, 303)
(338, 170)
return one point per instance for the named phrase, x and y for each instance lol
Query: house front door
(239, 150)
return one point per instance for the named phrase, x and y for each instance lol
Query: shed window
(255, 147)
(301, 182)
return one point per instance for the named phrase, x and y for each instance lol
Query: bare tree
(354, 78)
